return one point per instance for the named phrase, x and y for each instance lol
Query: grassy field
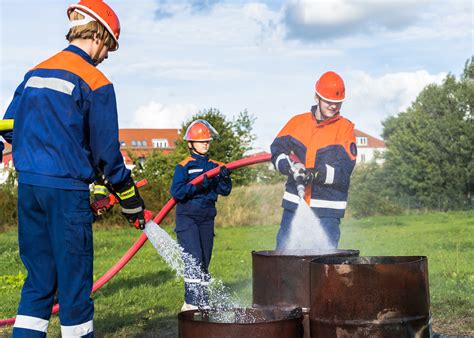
(144, 298)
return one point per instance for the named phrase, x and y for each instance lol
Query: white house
(367, 147)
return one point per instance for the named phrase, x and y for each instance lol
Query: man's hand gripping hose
(302, 177)
(104, 204)
(148, 215)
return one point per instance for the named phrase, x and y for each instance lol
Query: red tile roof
(372, 142)
(129, 135)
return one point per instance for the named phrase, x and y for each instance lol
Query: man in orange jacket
(317, 151)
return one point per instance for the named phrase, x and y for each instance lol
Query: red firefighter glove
(101, 201)
(148, 216)
(131, 202)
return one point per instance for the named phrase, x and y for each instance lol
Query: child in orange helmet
(65, 134)
(317, 151)
(196, 211)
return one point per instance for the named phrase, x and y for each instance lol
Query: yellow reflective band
(126, 194)
(6, 125)
(100, 190)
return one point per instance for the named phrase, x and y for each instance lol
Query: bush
(8, 202)
(369, 193)
(256, 204)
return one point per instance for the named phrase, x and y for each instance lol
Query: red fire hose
(158, 218)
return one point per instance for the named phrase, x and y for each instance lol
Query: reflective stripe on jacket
(187, 170)
(328, 147)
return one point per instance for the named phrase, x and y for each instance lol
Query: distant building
(367, 147)
(141, 142)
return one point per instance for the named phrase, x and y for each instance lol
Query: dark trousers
(55, 240)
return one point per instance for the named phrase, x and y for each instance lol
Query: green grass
(144, 298)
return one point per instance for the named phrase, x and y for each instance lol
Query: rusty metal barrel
(283, 280)
(384, 296)
(242, 322)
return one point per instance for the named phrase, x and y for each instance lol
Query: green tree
(431, 145)
(158, 170)
(8, 201)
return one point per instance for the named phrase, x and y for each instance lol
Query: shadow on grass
(145, 321)
(155, 278)
(164, 327)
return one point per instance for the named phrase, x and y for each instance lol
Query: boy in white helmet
(65, 134)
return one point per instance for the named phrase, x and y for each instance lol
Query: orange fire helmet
(330, 87)
(101, 12)
(200, 130)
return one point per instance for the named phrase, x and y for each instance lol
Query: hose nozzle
(300, 188)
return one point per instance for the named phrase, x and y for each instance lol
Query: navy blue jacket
(66, 124)
(189, 196)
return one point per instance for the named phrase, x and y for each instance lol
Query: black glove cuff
(123, 186)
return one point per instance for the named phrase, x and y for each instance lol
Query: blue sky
(177, 58)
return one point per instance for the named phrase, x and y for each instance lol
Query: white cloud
(4, 103)
(234, 55)
(372, 99)
(158, 115)
(320, 20)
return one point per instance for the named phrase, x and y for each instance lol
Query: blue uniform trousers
(329, 224)
(55, 240)
(195, 233)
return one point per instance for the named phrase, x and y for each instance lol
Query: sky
(179, 57)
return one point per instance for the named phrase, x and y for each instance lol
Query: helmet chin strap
(318, 101)
(97, 54)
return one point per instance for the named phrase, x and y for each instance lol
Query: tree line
(429, 160)
(428, 163)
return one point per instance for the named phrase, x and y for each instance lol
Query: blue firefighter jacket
(327, 147)
(66, 124)
(190, 197)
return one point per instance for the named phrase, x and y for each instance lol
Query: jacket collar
(199, 157)
(80, 52)
(323, 123)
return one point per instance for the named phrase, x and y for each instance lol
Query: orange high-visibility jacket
(329, 148)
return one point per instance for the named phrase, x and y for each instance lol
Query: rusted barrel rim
(286, 315)
(368, 260)
(304, 253)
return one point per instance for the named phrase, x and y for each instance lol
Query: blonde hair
(88, 30)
